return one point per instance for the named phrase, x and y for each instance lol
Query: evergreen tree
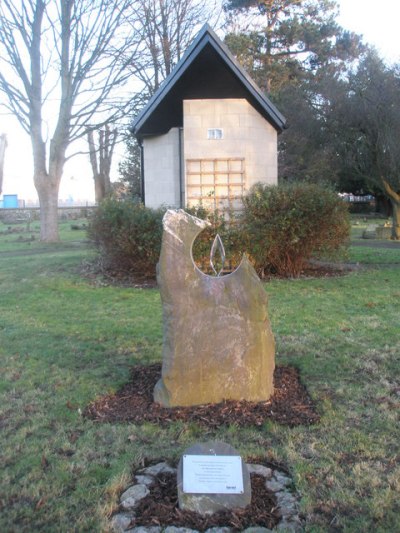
(296, 51)
(288, 40)
(368, 111)
(129, 168)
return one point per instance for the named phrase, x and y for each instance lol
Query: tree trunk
(396, 221)
(107, 185)
(395, 200)
(99, 188)
(47, 190)
(3, 146)
(100, 160)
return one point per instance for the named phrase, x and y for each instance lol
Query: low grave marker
(212, 477)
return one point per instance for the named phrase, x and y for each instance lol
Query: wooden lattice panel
(216, 183)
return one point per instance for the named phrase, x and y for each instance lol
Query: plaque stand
(212, 477)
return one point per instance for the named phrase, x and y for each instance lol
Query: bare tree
(100, 160)
(166, 28)
(3, 146)
(60, 63)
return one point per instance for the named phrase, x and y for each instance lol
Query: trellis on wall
(216, 184)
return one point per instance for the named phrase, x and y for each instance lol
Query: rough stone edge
(290, 522)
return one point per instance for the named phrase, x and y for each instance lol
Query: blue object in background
(10, 201)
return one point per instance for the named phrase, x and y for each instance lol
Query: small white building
(209, 133)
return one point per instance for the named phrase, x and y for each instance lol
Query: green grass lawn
(368, 255)
(66, 340)
(360, 223)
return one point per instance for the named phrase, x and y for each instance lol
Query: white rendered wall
(161, 170)
(245, 134)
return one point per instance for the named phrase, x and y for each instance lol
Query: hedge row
(281, 229)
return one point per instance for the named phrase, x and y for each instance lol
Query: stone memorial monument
(218, 343)
(214, 465)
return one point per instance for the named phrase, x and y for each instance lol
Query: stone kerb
(275, 480)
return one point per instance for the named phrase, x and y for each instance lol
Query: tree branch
(389, 191)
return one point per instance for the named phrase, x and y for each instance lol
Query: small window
(215, 133)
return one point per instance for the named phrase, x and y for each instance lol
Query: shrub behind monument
(128, 235)
(286, 225)
(281, 228)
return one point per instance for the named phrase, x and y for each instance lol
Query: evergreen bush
(128, 236)
(285, 226)
(281, 229)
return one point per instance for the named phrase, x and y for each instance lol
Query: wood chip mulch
(290, 405)
(160, 507)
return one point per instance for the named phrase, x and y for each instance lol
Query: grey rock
(274, 486)
(144, 480)
(289, 526)
(285, 498)
(278, 482)
(159, 468)
(133, 495)
(120, 522)
(218, 344)
(287, 503)
(370, 231)
(260, 470)
(281, 478)
(210, 503)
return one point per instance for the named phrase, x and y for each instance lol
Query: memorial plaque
(212, 474)
(212, 477)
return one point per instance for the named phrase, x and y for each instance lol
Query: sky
(377, 22)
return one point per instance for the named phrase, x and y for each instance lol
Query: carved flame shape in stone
(217, 246)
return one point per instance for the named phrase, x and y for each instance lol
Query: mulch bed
(160, 507)
(290, 405)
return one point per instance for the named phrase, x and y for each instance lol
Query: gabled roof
(207, 70)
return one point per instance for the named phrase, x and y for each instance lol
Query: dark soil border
(160, 508)
(290, 405)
